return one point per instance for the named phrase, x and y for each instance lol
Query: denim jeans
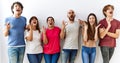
(16, 54)
(88, 54)
(35, 58)
(68, 54)
(51, 58)
(107, 53)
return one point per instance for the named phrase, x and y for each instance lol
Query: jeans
(68, 54)
(16, 54)
(88, 54)
(107, 53)
(51, 58)
(34, 58)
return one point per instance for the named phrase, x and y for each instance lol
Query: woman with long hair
(90, 37)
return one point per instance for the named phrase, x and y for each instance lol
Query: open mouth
(50, 23)
(34, 22)
(17, 10)
(111, 12)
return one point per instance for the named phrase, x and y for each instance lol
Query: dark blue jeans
(51, 58)
(68, 54)
(35, 58)
(88, 54)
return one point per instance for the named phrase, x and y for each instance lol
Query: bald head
(71, 15)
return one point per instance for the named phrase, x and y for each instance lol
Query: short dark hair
(106, 8)
(18, 3)
(50, 17)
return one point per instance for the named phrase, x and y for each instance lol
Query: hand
(44, 30)
(109, 22)
(29, 26)
(81, 22)
(97, 26)
(8, 26)
(63, 25)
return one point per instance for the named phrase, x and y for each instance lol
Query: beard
(71, 18)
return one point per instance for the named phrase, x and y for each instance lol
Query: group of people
(45, 41)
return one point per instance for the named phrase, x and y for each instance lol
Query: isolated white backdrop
(58, 9)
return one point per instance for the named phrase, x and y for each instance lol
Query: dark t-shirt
(107, 40)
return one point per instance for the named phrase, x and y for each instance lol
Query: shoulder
(24, 18)
(56, 27)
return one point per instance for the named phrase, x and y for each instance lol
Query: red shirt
(107, 40)
(53, 45)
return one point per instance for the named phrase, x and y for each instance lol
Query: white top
(34, 46)
(71, 39)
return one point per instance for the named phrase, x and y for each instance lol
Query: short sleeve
(118, 24)
(102, 25)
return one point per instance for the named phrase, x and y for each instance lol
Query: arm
(84, 33)
(6, 31)
(30, 35)
(96, 33)
(62, 33)
(104, 31)
(114, 35)
(45, 40)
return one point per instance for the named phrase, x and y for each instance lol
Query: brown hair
(37, 27)
(51, 18)
(18, 3)
(90, 31)
(106, 8)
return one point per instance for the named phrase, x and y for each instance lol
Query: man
(14, 29)
(70, 32)
(109, 31)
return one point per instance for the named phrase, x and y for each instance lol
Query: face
(34, 22)
(92, 20)
(109, 12)
(17, 9)
(71, 15)
(50, 22)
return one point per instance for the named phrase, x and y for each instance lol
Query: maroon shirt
(107, 40)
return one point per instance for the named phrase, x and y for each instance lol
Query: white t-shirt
(34, 46)
(71, 39)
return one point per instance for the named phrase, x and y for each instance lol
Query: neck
(51, 27)
(109, 18)
(16, 15)
(71, 21)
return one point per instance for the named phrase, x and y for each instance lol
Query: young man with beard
(109, 31)
(14, 29)
(70, 32)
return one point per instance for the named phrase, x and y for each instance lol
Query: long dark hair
(37, 27)
(90, 31)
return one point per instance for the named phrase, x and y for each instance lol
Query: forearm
(102, 34)
(45, 40)
(62, 34)
(113, 35)
(6, 32)
(85, 37)
(30, 36)
(96, 36)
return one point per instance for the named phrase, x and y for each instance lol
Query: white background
(58, 9)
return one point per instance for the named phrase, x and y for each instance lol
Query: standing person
(70, 32)
(109, 31)
(51, 38)
(15, 27)
(34, 48)
(90, 37)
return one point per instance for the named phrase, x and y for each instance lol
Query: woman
(34, 49)
(90, 37)
(51, 38)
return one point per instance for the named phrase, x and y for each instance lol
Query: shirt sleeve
(118, 25)
(101, 26)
